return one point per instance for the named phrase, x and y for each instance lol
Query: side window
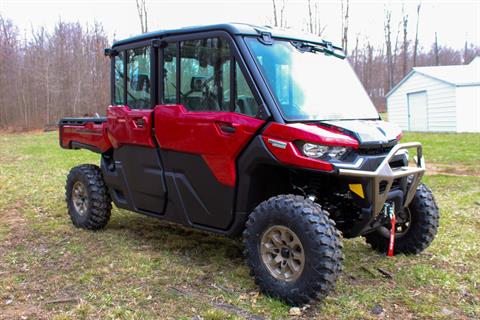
(138, 78)
(119, 98)
(245, 101)
(202, 65)
(170, 74)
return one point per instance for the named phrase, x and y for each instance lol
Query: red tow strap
(391, 245)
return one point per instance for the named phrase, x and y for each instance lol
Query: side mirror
(110, 52)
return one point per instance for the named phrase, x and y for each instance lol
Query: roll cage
(233, 33)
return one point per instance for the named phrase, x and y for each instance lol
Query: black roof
(232, 28)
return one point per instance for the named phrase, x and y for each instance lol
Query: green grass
(143, 268)
(451, 151)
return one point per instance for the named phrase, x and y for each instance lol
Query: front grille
(374, 151)
(383, 185)
(397, 163)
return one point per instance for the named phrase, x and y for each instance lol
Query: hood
(369, 133)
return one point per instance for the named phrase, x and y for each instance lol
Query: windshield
(310, 84)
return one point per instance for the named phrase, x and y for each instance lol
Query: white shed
(442, 99)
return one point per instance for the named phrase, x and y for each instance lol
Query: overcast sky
(454, 21)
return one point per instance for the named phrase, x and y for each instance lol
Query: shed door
(417, 111)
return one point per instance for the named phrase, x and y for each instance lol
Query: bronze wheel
(80, 198)
(282, 253)
(293, 249)
(88, 201)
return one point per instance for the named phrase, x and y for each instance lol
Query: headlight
(316, 151)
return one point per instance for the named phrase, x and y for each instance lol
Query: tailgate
(84, 133)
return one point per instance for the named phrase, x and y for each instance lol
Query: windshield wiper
(325, 47)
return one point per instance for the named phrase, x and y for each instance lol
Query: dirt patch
(10, 306)
(450, 170)
(20, 311)
(14, 221)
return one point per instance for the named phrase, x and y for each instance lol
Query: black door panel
(204, 200)
(138, 177)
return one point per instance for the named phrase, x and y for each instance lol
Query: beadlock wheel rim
(80, 198)
(282, 253)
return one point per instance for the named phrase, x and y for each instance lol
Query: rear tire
(88, 201)
(424, 216)
(311, 255)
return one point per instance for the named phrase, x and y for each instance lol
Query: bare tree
(405, 42)
(275, 19)
(279, 19)
(283, 19)
(415, 45)
(388, 45)
(345, 10)
(314, 23)
(435, 50)
(355, 53)
(142, 15)
(310, 17)
(51, 74)
(395, 53)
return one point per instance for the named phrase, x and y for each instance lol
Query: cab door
(208, 116)
(136, 172)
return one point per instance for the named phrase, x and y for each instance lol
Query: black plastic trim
(195, 196)
(138, 173)
(79, 145)
(81, 121)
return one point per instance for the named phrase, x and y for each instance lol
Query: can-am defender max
(236, 129)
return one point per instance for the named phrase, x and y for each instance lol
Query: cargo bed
(84, 133)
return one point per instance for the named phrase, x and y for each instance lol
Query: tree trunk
(142, 15)
(405, 44)
(310, 21)
(415, 46)
(275, 19)
(345, 17)
(388, 45)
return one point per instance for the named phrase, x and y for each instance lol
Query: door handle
(227, 127)
(139, 122)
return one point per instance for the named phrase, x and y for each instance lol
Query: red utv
(236, 129)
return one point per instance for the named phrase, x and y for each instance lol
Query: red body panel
(291, 156)
(310, 133)
(200, 133)
(90, 133)
(290, 133)
(127, 126)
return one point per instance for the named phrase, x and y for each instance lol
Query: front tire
(88, 201)
(293, 249)
(423, 225)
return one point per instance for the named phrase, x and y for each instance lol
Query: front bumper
(381, 180)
